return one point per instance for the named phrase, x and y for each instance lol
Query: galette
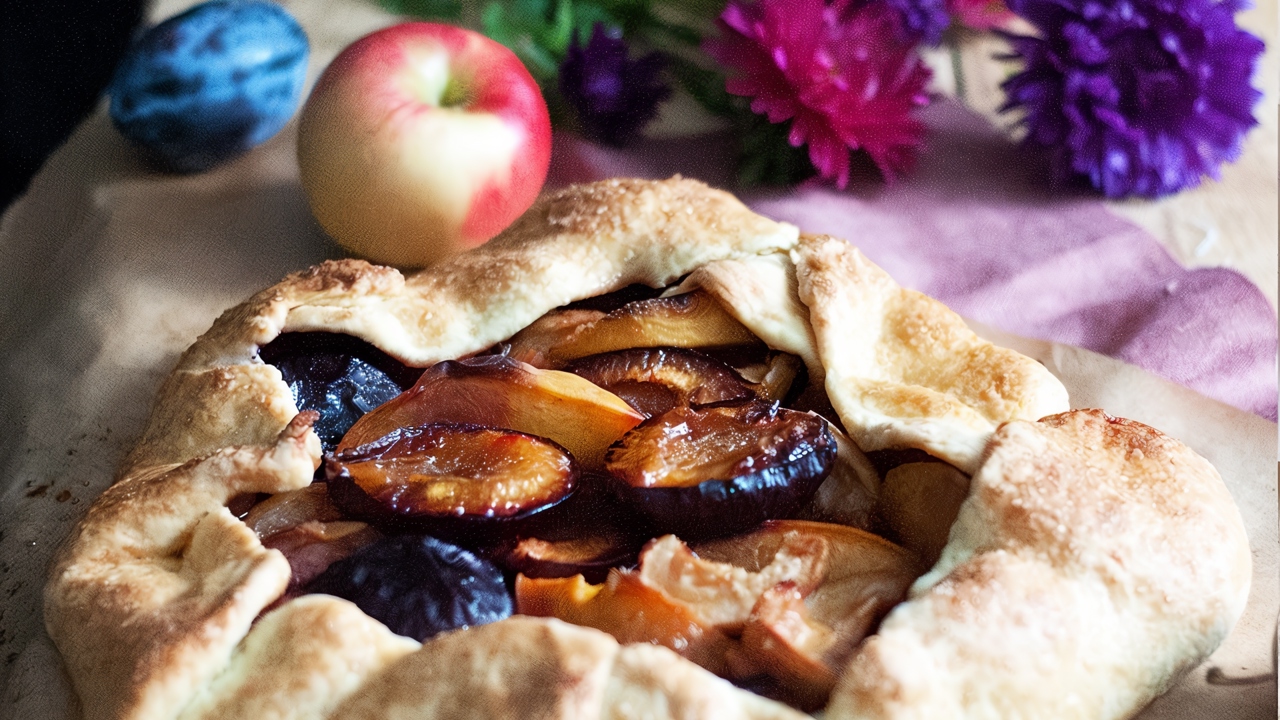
(646, 454)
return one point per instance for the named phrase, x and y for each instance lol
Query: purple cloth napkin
(976, 227)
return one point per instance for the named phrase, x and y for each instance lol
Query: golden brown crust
(301, 660)
(159, 581)
(1094, 560)
(903, 370)
(151, 600)
(762, 293)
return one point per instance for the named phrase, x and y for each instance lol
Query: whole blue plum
(210, 83)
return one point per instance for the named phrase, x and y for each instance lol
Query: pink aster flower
(845, 76)
(980, 14)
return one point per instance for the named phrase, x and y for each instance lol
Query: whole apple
(422, 140)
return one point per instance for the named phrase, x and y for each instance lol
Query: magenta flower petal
(847, 79)
(980, 14)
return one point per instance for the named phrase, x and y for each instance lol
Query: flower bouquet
(1134, 97)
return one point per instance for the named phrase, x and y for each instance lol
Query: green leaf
(706, 86)
(427, 9)
(521, 26)
(767, 157)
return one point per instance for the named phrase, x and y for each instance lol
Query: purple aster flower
(924, 20)
(613, 97)
(1142, 97)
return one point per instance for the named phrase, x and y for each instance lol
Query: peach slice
(500, 392)
(918, 504)
(691, 320)
(628, 609)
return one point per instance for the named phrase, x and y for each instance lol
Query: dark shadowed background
(56, 56)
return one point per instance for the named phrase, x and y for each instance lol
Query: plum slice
(501, 392)
(418, 586)
(654, 380)
(450, 478)
(339, 376)
(588, 534)
(716, 471)
(691, 320)
(616, 299)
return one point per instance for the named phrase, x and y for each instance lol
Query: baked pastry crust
(152, 601)
(1093, 561)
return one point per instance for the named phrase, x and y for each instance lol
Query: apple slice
(781, 371)
(691, 320)
(918, 504)
(864, 577)
(859, 562)
(629, 610)
(783, 641)
(721, 594)
(500, 392)
(311, 547)
(287, 510)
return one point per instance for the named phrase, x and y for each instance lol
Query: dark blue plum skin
(340, 387)
(777, 487)
(338, 376)
(210, 83)
(418, 586)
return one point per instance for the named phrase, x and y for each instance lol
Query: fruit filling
(500, 392)
(691, 320)
(338, 376)
(655, 380)
(582, 486)
(588, 534)
(716, 471)
(444, 472)
(418, 586)
(780, 608)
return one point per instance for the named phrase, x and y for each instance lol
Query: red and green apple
(422, 140)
